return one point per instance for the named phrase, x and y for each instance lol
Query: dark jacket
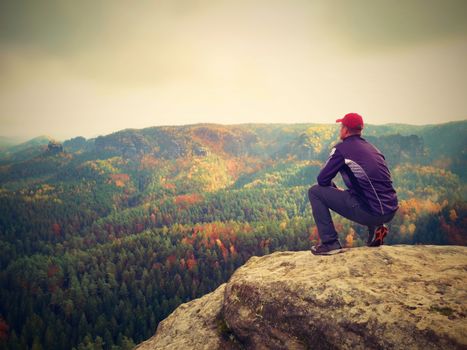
(364, 171)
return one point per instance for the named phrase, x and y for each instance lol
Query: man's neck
(348, 136)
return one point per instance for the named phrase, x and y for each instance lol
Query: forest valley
(103, 238)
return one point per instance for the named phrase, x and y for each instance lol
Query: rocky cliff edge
(390, 297)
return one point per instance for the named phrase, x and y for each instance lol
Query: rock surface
(194, 325)
(401, 297)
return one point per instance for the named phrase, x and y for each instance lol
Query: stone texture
(390, 297)
(193, 325)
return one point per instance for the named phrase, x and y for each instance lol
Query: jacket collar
(352, 137)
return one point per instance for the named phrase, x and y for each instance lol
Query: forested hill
(444, 143)
(102, 238)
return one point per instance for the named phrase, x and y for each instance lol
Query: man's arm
(331, 168)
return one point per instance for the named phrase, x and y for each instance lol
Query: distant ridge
(8, 141)
(25, 150)
(304, 141)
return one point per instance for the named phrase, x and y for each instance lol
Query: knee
(313, 191)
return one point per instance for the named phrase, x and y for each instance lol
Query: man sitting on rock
(370, 199)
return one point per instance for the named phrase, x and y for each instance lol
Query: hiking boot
(327, 249)
(376, 238)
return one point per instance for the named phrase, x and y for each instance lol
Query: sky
(91, 67)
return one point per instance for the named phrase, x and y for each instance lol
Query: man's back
(366, 174)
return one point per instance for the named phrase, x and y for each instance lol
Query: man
(370, 199)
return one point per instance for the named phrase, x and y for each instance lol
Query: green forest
(103, 238)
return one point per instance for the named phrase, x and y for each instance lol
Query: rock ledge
(402, 297)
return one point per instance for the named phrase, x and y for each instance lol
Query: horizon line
(19, 140)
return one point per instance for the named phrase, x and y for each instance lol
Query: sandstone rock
(390, 297)
(194, 325)
(54, 147)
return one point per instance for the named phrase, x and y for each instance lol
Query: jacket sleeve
(332, 166)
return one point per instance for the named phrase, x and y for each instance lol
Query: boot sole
(331, 252)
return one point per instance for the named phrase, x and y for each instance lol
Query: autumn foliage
(100, 242)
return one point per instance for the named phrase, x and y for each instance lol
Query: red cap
(352, 121)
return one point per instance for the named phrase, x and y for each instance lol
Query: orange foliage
(234, 168)
(314, 237)
(52, 270)
(213, 234)
(233, 252)
(119, 180)
(411, 208)
(171, 259)
(402, 230)
(339, 227)
(188, 240)
(169, 186)
(186, 200)
(191, 263)
(264, 243)
(349, 239)
(56, 229)
(148, 162)
(212, 137)
(224, 250)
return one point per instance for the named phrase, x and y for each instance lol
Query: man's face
(343, 133)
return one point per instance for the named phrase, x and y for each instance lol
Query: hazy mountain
(443, 144)
(25, 150)
(6, 142)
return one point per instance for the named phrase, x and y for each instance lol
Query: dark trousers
(323, 198)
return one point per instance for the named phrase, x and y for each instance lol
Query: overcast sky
(91, 67)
